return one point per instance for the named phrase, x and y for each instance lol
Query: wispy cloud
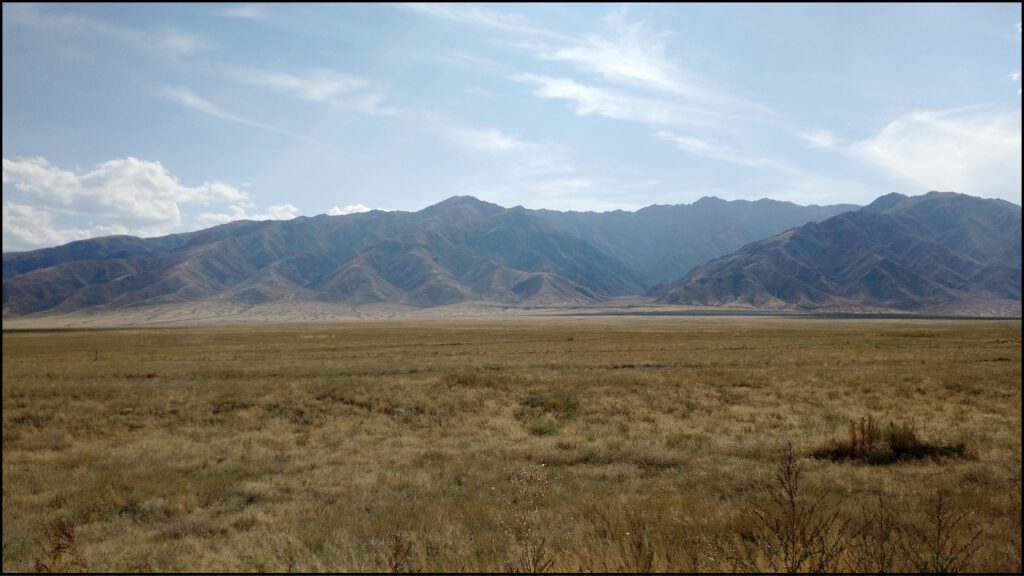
(705, 149)
(317, 86)
(477, 16)
(161, 41)
(190, 99)
(631, 54)
(588, 99)
(818, 138)
(486, 140)
(974, 150)
(513, 170)
(246, 12)
(46, 205)
(324, 86)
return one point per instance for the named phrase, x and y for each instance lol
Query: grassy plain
(570, 444)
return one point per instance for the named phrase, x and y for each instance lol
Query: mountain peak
(883, 203)
(462, 206)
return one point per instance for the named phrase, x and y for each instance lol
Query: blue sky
(159, 118)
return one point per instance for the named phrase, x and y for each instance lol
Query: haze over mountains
(938, 251)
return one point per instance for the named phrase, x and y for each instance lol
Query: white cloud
(324, 86)
(630, 54)
(819, 138)
(705, 149)
(190, 99)
(348, 209)
(246, 11)
(477, 16)
(168, 41)
(282, 212)
(46, 205)
(1014, 76)
(485, 140)
(120, 190)
(26, 227)
(178, 43)
(587, 100)
(318, 85)
(972, 150)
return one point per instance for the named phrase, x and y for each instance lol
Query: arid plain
(516, 444)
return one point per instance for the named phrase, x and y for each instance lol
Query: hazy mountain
(460, 249)
(937, 252)
(662, 243)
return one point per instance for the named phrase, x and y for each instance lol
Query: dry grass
(563, 444)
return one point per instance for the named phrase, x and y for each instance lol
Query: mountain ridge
(942, 248)
(937, 251)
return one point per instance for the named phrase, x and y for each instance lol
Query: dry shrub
(792, 532)
(398, 554)
(948, 541)
(872, 444)
(60, 550)
(876, 546)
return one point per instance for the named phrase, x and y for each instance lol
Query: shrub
(60, 551)
(544, 426)
(794, 533)
(872, 444)
(541, 413)
(939, 546)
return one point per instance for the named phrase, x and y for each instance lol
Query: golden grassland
(568, 444)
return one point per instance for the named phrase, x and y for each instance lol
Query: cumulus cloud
(348, 209)
(27, 227)
(282, 212)
(47, 205)
(974, 150)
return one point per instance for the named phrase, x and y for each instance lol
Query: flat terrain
(570, 444)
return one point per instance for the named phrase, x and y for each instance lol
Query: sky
(152, 119)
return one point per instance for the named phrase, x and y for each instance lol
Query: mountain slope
(662, 243)
(461, 249)
(936, 252)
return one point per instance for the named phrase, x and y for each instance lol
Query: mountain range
(939, 250)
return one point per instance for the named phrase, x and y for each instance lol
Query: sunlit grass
(483, 445)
